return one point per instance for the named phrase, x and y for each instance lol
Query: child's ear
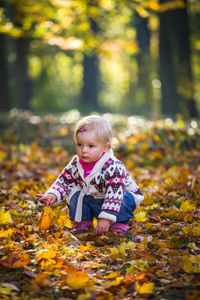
(107, 146)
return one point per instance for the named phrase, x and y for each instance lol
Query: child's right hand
(49, 198)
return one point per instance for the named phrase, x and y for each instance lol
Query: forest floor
(158, 259)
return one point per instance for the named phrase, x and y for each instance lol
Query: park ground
(158, 259)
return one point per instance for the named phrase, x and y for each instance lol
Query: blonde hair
(101, 127)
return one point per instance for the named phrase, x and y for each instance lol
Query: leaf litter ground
(41, 258)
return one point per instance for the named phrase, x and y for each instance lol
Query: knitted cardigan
(108, 180)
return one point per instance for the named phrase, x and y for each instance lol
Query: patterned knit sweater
(108, 180)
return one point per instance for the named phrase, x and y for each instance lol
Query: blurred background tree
(133, 57)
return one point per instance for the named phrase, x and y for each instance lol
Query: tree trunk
(90, 87)
(175, 66)
(167, 76)
(5, 101)
(90, 77)
(185, 77)
(144, 62)
(23, 82)
(5, 98)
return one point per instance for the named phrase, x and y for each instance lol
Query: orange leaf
(45, 222)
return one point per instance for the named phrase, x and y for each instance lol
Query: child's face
(88, 148)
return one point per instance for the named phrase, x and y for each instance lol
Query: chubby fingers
(42, 199)
(101, 228)
(40, 196)
(50, 201)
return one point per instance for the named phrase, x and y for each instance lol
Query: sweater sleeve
(133, 188)
(65, 181)
(115, 177)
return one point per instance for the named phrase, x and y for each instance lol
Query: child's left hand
(102, 226)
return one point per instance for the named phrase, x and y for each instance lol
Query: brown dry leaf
(14, 261)
(176, 263)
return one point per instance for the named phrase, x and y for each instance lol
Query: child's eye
(79, 145)
(91, 146)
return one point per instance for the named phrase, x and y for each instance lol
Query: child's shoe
(120, 228)
(83, 226)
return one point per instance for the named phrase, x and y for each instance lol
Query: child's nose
(84, 149)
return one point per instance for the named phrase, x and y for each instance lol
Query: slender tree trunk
(90, 88)
(175, 65)
(23, 82)
(185, 77)
(5, 101)
(91, 79)
(167, 75)
(144, 61)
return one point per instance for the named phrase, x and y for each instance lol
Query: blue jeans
(92, 207)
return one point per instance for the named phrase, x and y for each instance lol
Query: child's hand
(49, 198)
(102, 226)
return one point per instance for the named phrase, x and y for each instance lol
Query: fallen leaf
(140, 216)
(45, 222)
(78, 280)
(145, 288)
(5, 217)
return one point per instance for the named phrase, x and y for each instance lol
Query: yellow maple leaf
(145, 288)
(48, 264)
(188, 267)
(62, 221)
(125, 246)
(114, 252)
(47, 259)
(14, 188)
(5, 217)
(196, 229)
(189, 217)
(116, 281)
(46, 254)
(47, 210)
(168, 181)
(140, 216)
(187, 206)
(170, 214)
(56, 216)
(78, 280)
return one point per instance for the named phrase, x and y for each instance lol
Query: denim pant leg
(91, 207)
(126, 209)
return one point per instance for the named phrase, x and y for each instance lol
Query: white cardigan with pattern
(108, 180)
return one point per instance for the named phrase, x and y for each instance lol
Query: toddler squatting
(95, 182)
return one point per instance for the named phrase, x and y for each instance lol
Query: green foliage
(56, 85)
(61, 31)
